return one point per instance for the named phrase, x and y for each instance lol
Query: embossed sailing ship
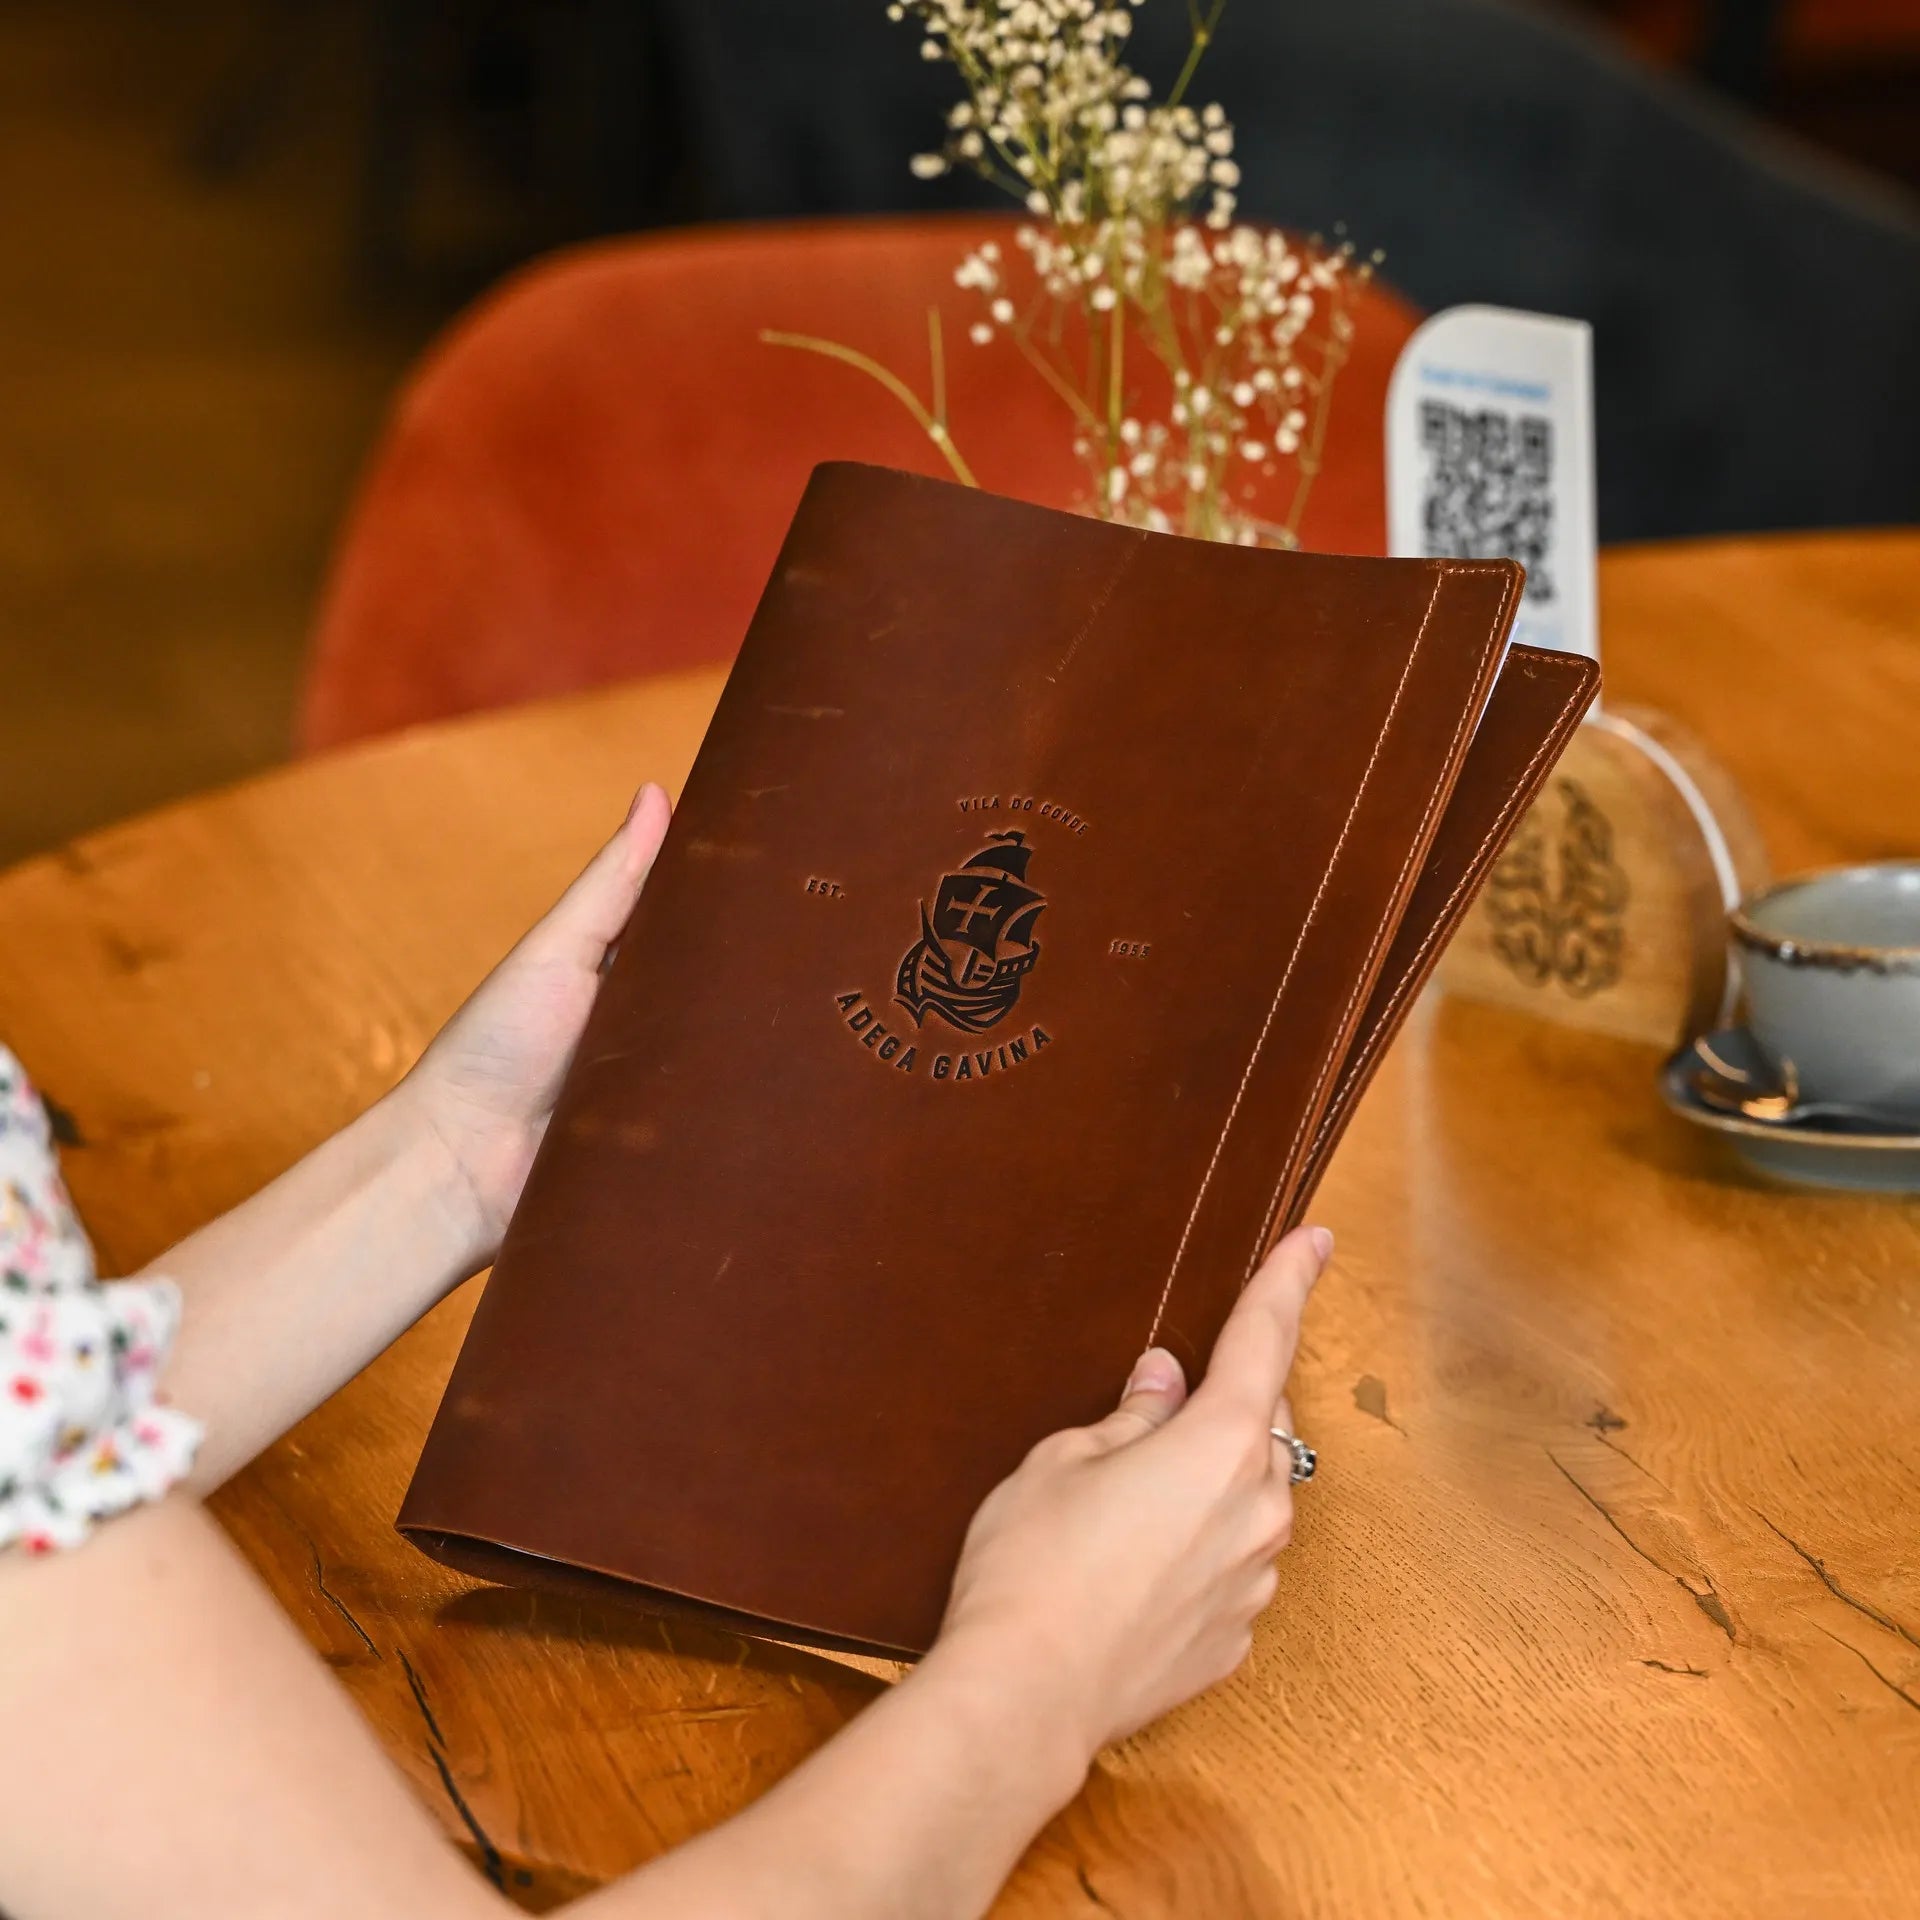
(977, 943)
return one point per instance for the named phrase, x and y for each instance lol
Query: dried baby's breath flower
(1133, 249)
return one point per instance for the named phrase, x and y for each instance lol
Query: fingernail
(1156, 1371)
(633, 805)
(1322, 1243)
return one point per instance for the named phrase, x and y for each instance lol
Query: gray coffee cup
(1831, 963)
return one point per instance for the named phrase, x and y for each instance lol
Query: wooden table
(1607, 1598)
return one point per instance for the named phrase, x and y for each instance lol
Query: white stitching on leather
(1439, 927)
(1300, 941)
(1380, 935)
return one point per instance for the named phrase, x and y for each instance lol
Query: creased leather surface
(979, 1020)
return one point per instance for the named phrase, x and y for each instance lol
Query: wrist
(1016, 1703)
(414, 1139)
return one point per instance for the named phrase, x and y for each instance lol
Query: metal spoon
(1730, 1088)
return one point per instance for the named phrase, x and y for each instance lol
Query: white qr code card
(1490, 456)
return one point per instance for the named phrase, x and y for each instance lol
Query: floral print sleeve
(82, 1431)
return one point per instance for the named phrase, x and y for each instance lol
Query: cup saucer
(1819, 1153)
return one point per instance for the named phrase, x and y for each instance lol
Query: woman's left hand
(483, 1091)
(295, 1290)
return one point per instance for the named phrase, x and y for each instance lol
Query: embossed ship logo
(976, 943)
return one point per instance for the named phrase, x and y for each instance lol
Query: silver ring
(1302, 1458)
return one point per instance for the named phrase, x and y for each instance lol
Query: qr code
(1489, 488)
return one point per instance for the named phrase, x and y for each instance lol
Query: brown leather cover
(1037, 906)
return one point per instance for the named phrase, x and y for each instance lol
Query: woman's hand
(1119, 1570)
(484, 1089)
(1116, 1573)
(295, 1290)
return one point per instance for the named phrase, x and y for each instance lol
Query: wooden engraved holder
(1607, 910)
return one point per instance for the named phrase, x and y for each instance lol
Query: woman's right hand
(1118, 1571)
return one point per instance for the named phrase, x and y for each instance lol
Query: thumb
(1154, 1393)
(590, 916)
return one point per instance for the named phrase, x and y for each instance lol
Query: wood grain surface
(1607, 1597)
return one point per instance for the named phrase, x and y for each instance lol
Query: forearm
(269, 1794)
(291, 1294)
(917, 1811)
(294, 1291)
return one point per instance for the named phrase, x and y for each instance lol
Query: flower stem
(1054, 378)
(1308, 459)
(1203, 30)
(934, 428)
(937, 356)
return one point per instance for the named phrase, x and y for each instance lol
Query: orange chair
(589, 476)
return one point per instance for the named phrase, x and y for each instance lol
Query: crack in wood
(1607, 1517)
(1087, 1887)
(1614, 1446)
(1709, 1602)
(1712, 1606)
(491, 1863)
(334, 1601)
(420, 1699)
(1892, 1686)
(1604, 1421)
(1834, 1587)
(1694, 1673)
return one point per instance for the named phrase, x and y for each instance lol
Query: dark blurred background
(228, 226)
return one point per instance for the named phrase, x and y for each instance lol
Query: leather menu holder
(1043, 896)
